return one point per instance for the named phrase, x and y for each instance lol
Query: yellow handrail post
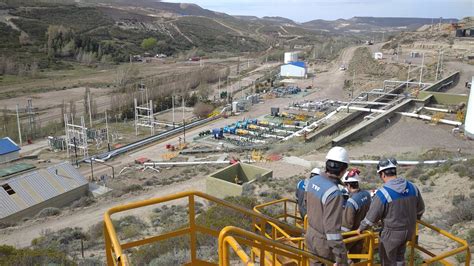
(274, 236)
(262, 250)
(284, 209)
(192, 226)
(412, 246)
(108, 247)
(468, 257)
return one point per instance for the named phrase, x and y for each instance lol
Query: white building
(378, 56)
(294, 69)
(9, 150)
(290, 57)
(469, 120)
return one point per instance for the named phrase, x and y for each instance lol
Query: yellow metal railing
(115, 248)
(290, 210)
(290, 214)
(269, 240)
(441, 258)
(233, 237)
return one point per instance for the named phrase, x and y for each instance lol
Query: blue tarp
(298, 64)
(8, 146)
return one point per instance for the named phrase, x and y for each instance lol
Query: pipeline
(428, 162)
(424, 117)
(137, 144)
(311, 127)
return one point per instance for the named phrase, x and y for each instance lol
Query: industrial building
(9, 150)
(290, 57)
(28, 194)
(294, 69)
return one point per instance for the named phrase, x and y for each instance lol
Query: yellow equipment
(280, 243)
(253, 127)
(169, 155)
(437, 117)
(257, 156)
(242, 132)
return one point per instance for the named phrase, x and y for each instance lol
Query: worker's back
(400, 200)
(319, 191)
(356, 208)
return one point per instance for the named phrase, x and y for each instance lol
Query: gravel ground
(410, 135)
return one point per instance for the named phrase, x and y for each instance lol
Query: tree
(202, 110)
(149, 43)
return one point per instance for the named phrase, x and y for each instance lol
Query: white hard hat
(351, 176)
(386, 164)
(315, 171)
(338, 154)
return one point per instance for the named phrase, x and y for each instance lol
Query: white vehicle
(342, 67)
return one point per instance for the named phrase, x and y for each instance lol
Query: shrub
(83, 202)
(202, 110)
(415, 172)
(458, 199)
(461, 257)
(463, 211)
(470, 236)
(47, 212)
(132, 188)
(129, 226)
(5, 225)
(64, 239)
(217, 217)
(12, 256)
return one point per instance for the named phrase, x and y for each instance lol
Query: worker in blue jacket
(301, 190)
(398, 204)
(356, 207)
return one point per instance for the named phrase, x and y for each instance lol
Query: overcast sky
(305, 10)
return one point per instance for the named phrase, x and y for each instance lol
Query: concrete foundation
(366, 127)
(231, 180)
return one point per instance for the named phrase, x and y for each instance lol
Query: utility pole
(421, 70)
(90, 110)
(183, 106)
(107, 130)
(18, 122)
(353, 84)
(408, 75)
(172, 106)
(184, 131)
(437, 65)
(398, 51)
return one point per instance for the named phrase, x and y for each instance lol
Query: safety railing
(440, 258)
(268, 242)
(234, 237)
(115, 249)
(371, 238)
(287, 211)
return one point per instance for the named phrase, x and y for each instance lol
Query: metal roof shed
(9, 150)
(28, 194)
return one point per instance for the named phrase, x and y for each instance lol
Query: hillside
(371, 24)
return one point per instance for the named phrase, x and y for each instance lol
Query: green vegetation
(35, 256)
(149, 43)
(48, 212)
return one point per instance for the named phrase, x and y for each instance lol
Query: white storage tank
(469, 120)
(291, 57)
